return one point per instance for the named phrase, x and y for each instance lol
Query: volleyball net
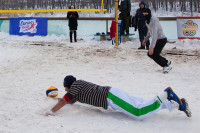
(44, 6)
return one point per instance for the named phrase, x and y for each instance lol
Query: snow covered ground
(29, 65)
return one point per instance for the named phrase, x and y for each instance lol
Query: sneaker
(142, 47)
(168, 62)
(184, 107)
(167, 69)
(171, 95)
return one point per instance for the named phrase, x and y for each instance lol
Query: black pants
(157, 51)
(142, 34)
(125, 22)
(74, 36)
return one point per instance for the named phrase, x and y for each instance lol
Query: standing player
(117, 99)
(158, 41)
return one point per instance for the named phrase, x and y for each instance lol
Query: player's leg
(135, 107)
(141, 37)
(75, 33)
(70, 35)
(139, 108)
(156, 54)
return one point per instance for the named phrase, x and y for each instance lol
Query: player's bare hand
(144, 43)
(150, 51)
(47, 113)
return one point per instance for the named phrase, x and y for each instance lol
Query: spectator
(73, 24)
(139, 22)
(125, 8)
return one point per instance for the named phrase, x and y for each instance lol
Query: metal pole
(106, 26)
(102, 5)
(116, 20)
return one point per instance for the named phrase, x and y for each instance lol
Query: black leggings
(157, 51)
(142, 34)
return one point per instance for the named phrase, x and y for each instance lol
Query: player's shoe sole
(166, 70)
(185, 107)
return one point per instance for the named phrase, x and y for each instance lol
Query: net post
(102, 6)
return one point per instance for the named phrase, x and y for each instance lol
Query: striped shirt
(86, 92)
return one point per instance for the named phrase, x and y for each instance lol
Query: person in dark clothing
(139, 23)
(104, 96)
(124, 8)
(73, 24)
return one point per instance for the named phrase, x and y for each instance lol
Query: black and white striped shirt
(86, 92)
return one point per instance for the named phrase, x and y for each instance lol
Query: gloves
(49, 112)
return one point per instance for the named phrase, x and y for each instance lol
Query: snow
(29, 65)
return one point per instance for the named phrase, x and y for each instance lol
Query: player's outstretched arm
(58, 106)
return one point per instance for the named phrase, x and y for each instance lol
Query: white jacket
(155, 31)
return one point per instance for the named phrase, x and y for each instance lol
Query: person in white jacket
(158, 41)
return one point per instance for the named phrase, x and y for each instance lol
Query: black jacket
(139, 19)
(125, 6)
(72, 16)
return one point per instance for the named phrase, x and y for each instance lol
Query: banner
(28, 26)
(188, 27)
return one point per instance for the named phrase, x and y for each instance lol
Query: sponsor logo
(28, 26)
(189, 28)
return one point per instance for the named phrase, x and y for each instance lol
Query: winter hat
(68, 81)
(148, 17)
(142, 2)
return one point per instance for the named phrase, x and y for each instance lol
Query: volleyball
(52, 91)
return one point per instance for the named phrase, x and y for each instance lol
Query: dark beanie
(148, 17)
(142, 2)
(68, 81)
